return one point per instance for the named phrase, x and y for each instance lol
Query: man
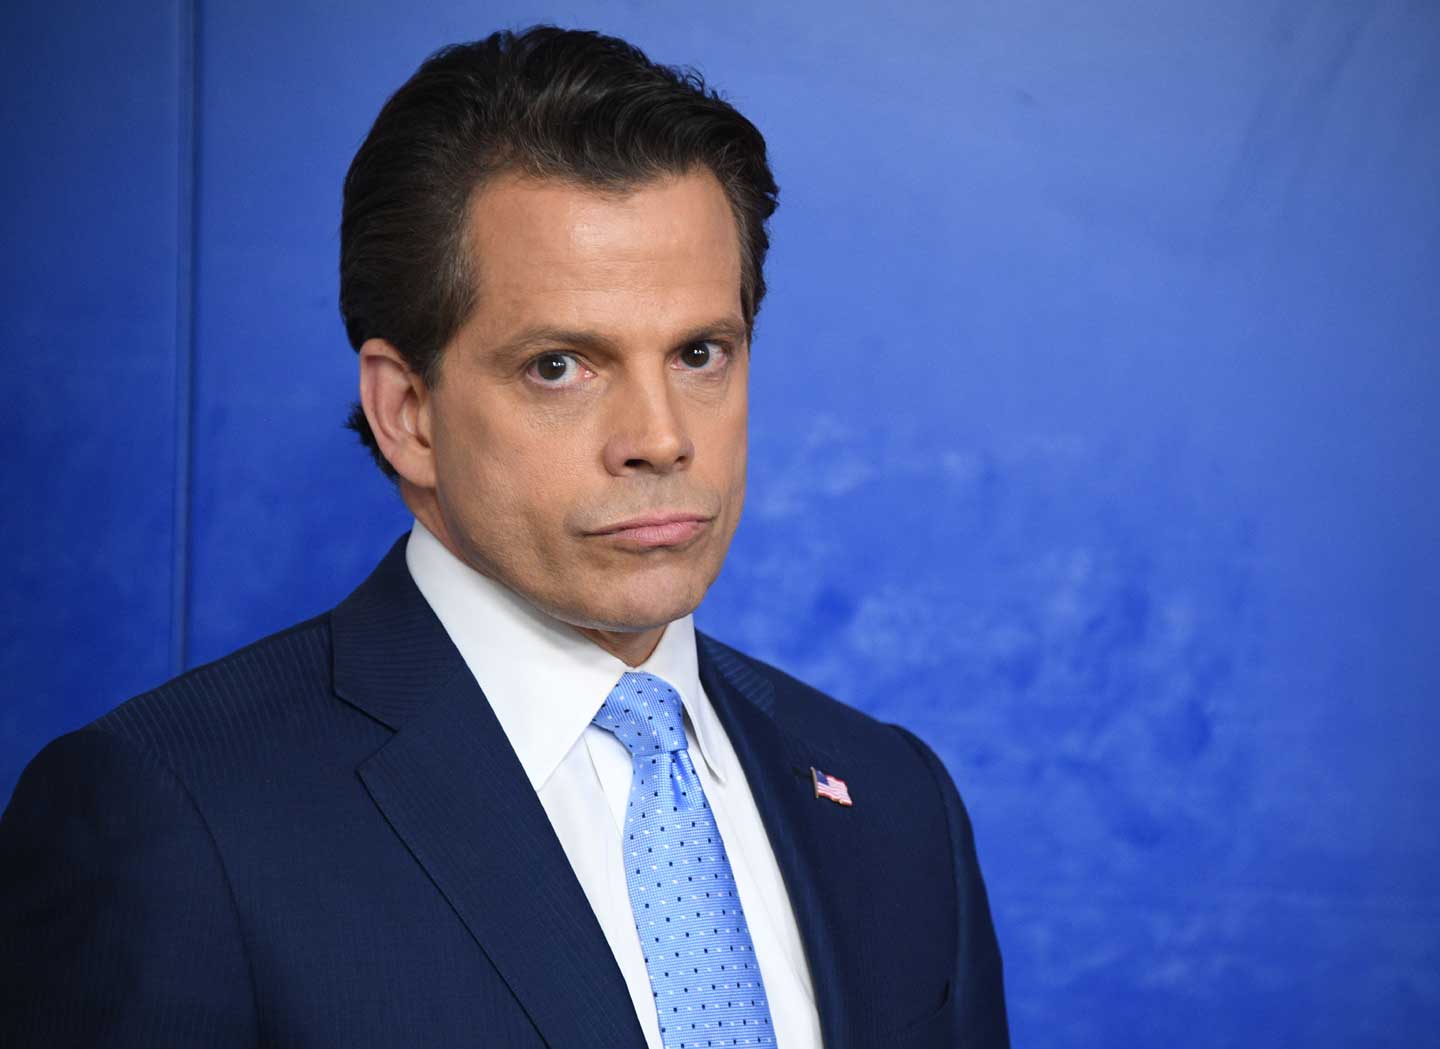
(504, 794)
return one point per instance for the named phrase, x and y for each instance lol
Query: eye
(556, 369)
(700, 355)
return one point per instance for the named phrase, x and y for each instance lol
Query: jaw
(628, 619)
(620, 597)
(646, 594)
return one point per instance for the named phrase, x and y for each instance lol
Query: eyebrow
(731, 328)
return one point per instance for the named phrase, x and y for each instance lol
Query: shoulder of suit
(239, 696)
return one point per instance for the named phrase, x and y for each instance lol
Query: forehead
(548, 250)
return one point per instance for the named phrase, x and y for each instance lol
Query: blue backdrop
(1094, 423)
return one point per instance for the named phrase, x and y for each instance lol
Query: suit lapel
(450, 785)
(777, 767)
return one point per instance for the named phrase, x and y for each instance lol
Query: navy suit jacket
(326, 839)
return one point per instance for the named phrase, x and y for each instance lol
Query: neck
(630, 648)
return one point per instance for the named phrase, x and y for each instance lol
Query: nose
(647, 433)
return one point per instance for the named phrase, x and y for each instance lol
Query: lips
(655, 530)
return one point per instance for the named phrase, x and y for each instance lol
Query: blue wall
(1095, 432)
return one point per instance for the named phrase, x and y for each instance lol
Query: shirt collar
(544, 679)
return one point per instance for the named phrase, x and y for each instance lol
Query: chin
(635, 607)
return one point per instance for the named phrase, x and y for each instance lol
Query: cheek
(520, 482)
(729, 440)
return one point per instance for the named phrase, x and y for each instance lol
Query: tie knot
(645, 714)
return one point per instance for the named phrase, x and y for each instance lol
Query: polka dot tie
(707, 986)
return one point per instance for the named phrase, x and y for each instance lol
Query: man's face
(589, 423)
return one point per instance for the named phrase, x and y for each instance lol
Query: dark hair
(548, 102)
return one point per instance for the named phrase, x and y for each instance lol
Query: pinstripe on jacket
(325, 839)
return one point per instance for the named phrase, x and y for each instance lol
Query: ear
(397, 404)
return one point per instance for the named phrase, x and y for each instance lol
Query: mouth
(654, 530)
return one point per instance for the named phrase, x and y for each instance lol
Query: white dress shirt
(545, 682)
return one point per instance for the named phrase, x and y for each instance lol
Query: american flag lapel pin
(832, 787)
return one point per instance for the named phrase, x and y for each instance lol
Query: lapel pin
(831, 787)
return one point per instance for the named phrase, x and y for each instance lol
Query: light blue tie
(707, 986)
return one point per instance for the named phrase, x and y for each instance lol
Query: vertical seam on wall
(186, 238)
